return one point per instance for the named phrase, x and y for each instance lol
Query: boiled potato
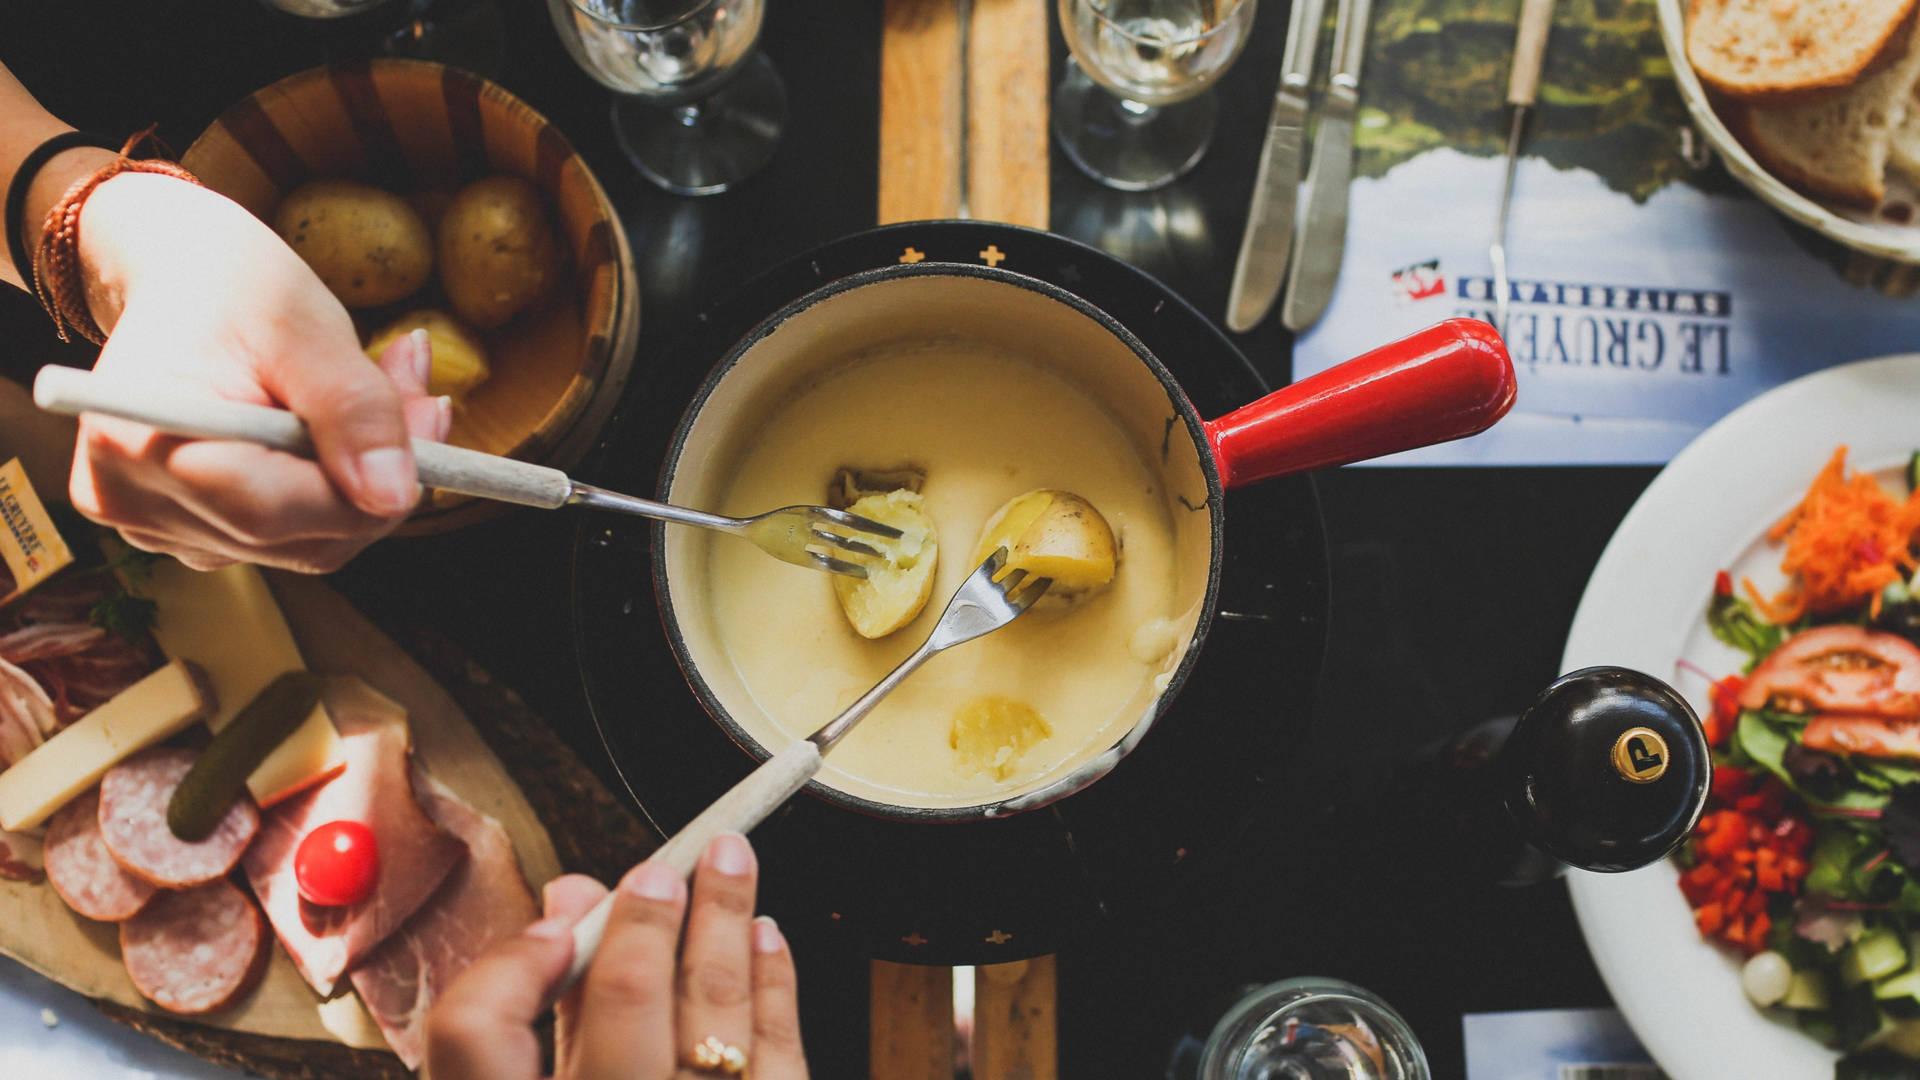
(459, 357)
(368, 246)
(1052, 534)
(496, 250)
(896, 589)
(991, 734)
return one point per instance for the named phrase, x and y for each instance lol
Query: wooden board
(280, 1028)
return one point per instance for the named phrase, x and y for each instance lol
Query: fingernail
(729, 854)
(654, 881)
(446, 416)
(766, 936)
(422, 356)
(554, 929)
(386, 475)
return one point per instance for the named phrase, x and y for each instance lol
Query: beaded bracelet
(58, 279)
(23, 179)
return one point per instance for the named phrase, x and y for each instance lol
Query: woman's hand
(637, 1015)
(194, 290)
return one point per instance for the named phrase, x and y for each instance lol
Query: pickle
(220, 774)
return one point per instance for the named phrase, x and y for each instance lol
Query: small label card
(1555, 1044)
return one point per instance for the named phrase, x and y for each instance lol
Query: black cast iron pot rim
(1087, 772)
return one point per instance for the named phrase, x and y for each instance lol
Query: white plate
(1853, 228)
(1644, 608)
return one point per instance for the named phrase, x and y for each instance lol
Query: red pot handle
(1451, 380)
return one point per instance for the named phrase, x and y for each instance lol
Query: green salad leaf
(1733, 620)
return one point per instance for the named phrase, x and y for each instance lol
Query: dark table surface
(1452, 589)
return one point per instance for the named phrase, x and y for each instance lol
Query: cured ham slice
(82, 870)
(374, 788)
(193, 952)
(27, 714)
(485, 899)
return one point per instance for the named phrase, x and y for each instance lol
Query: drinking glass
(1312, 1029)
(698, 108)
(1133, 110)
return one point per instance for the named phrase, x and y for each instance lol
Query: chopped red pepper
(1749, 847)
(1723, 584)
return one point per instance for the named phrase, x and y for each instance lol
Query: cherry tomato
(337, 863)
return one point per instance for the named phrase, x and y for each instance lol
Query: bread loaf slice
(1903, 154)
(1834, 148)
(1778, 52)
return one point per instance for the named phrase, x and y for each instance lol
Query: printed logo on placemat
(1418, 282)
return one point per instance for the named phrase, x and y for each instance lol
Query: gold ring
(712, 1055)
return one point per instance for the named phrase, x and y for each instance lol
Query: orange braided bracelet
(57, 277)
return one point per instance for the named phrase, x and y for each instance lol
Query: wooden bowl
(422, 130)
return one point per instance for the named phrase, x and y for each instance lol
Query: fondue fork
(980, 606)
(802, 535)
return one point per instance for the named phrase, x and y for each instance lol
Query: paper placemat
(1650, 295)
(1555, 1044)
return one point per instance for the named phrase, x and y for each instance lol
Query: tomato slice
(337, 864)
(1839, 669)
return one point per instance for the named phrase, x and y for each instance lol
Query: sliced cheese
(226, 621)
(155, 708)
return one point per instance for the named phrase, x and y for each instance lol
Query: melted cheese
(984, 427)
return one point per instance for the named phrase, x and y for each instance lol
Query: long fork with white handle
(812, 536)
(980, 606)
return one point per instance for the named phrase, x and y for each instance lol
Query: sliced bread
(1834, 148)
(1785, 51)
(1903, 155)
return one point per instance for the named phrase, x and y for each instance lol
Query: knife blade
(1523, 84)
(1261, 267)
(1323, 233)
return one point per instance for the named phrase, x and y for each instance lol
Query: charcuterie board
(280, 1027)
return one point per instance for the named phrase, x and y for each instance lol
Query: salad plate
(1645, 608)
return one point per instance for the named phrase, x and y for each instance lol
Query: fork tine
(855, 522)
(1023, 598)
(837, 566)
(833, 539)
(1013, 578)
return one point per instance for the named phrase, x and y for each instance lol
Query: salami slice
(133, 822)
(81, 869)
(194, 951)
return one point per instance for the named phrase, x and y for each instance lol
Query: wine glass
(1133, 110)
(698, 108)
(1312, 1029)
(463, 33)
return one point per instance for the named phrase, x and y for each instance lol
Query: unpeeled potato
(496, 250)
(897, 588)
(368, 246)
(1053, 534)
(459, 357)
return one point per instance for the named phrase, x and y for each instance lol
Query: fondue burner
(989, 891)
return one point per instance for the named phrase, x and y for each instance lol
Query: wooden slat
(911, 1035)
(1015, 1035)
(1007, 93)
(920, 111)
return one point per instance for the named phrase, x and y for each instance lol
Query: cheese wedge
(226, 621)
(155, 708)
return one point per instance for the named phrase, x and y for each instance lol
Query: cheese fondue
(983, 426)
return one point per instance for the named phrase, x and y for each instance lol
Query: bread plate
(1854, 228)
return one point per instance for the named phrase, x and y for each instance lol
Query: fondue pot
(1446, 382)
(981, 883)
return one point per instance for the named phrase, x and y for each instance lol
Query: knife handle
(1529, 50)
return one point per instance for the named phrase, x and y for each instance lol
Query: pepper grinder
(1607, 770)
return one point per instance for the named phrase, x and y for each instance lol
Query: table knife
(1523, 82)
(1323, 233)
(1261, 268)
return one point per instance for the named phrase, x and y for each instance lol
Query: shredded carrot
(1846, 540)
